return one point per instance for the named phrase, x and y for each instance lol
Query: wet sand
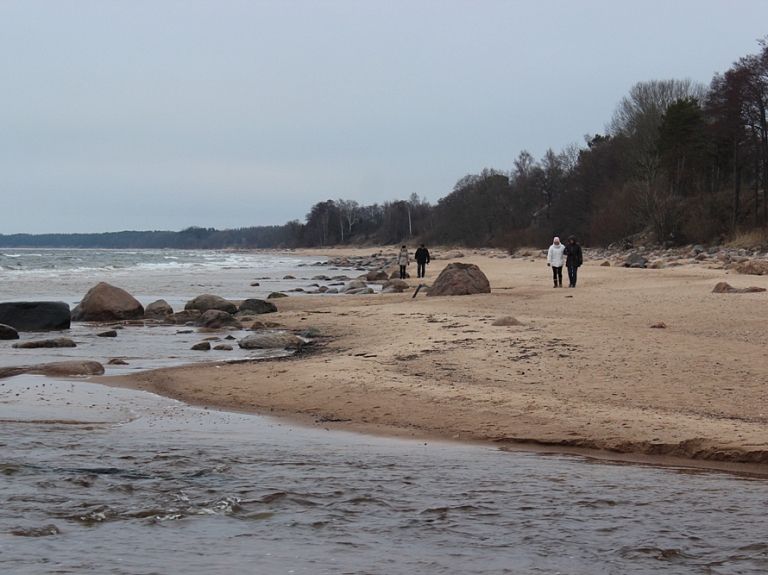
(584, 370)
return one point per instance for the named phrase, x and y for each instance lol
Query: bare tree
(638, 115)
(349, 211)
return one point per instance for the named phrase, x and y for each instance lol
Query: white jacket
(555, 255)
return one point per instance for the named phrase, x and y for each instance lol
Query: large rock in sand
(208, 301)
(275, 340)
(376, 276)
(35, 315)
(460, 279)
(105, 302)
(724, 287)
(257, 306)
(753, 268)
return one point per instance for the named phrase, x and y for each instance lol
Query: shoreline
(582, 374)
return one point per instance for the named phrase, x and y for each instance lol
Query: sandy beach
(583, 370)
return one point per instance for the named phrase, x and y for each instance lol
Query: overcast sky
(162, 115)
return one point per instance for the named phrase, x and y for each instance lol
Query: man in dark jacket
(573, 259)
(422, 259)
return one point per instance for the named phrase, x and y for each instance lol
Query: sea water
(102, 480)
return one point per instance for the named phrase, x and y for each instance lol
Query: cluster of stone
(740, 260)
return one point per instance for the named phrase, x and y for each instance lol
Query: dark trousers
(557, 274)
(572, 275)
(402, 272)
(421, 269)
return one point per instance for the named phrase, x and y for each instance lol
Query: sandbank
(584, 370)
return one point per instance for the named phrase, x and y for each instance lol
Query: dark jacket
(422, 256)
(572, 253)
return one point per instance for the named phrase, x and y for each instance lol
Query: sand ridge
(584, 368)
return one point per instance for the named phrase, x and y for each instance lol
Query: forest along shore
(583, 367)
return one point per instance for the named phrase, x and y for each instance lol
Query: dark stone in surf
(208, 301)
(7, 332)
(35, 315)
(55, 342)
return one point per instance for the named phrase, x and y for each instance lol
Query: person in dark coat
(573, 259)
(422, 259)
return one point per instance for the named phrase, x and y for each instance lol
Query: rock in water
(105, 302)
(275, 340)
(208, 301)
(216, 319)
(184, 316)
(159, 309)
(7, 332)
(55, 342)
(35, 315)
(460, 279)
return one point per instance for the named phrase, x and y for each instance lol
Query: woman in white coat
(403, 260)
(555, 261)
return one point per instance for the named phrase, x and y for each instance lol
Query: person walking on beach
(403, 260)
(555, 261)
(573, 259)
(422, 259)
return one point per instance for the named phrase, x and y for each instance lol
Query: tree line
(679, 161)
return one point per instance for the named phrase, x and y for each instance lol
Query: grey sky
(162, 115)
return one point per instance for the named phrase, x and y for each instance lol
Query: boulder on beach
(159, 309)
(724, 287)
(753, 268)
(217, 319)
(105, 302)
(56, 369)
(271, 340)
(55, 342)
(7, 332)
(353, 286)
(35, 315)
(376, 276)
(276, 294)
(202, 346)
(460, 279)
(257, 306)
(395, 286)
(208, 301)
(635, 260)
